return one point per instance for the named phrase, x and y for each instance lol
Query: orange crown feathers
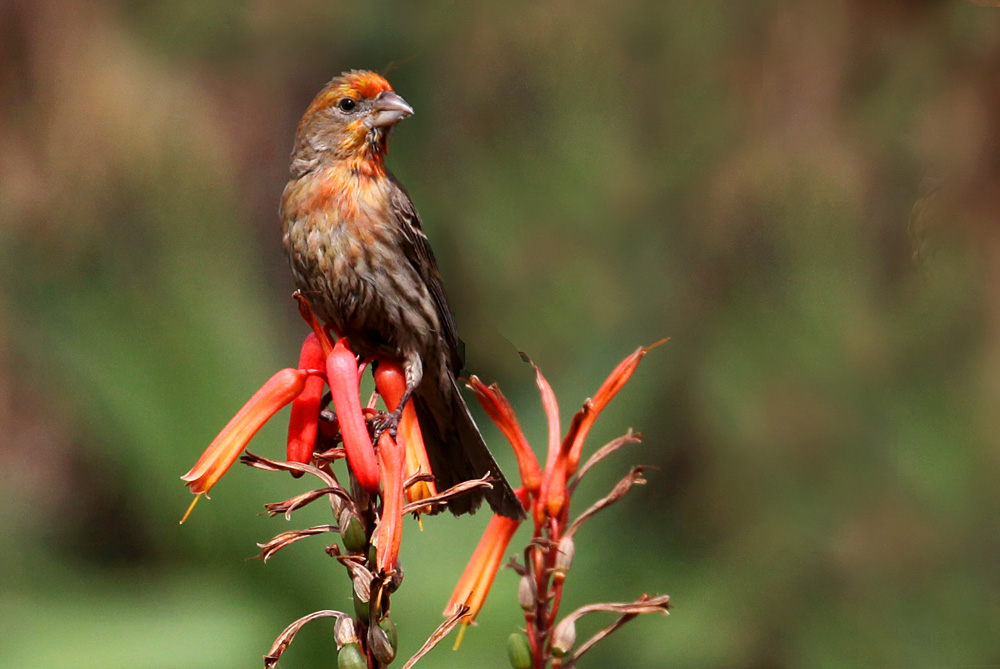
(358, 84)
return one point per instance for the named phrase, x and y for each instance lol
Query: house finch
(359, 255)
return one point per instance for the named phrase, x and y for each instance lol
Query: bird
(358, 253)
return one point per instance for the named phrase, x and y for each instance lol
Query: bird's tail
(457, 451)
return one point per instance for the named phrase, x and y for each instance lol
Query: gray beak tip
(390, 109)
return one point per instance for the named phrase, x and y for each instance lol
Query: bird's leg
(414, 371)
(389, 420)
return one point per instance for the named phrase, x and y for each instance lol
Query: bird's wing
(418, 252)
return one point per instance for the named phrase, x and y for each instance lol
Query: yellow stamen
(191, 508)
(461, 635)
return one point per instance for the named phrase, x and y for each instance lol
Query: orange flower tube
(501, 412)
(220, 455)
(584, 420)
(342, 377)
(390, 380)
(416, 460)
(552, 495)
(477, 579)
(555, 495)
(390, 457)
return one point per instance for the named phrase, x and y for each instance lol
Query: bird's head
(349, 119)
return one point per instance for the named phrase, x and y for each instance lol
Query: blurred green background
(805, 196)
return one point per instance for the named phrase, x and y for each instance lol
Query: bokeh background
(804, 196)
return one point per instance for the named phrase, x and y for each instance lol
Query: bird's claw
(385, 421)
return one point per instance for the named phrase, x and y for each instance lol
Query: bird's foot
(386, 421)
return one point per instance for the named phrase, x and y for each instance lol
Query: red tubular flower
(549, 554)
(220, 455)
(584, 419)
(552, 495)
(555, 497)
(304, 420)
(502, 413)
(551, 407)
(342, 376)
(416, 460)
(390, 457)
(568, 458)
(390, 380)
(478, 576)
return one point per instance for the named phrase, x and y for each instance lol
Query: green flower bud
(389, 628)
(361, 609)
(350, 657)
(519, 651)
(380, 644)
(353, 532)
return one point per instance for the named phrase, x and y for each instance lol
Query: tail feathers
(458, 453)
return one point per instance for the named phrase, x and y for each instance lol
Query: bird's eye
(347, 104)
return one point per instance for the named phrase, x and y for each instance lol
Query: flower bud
(344, 631)
(527, 593)
(563, 637)
(389, 628)
(381, 644)
(519, 651)
(361, 609)
(564, 555)
(350, 657)
(352, 532)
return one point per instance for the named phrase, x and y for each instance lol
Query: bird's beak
(389, 109)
